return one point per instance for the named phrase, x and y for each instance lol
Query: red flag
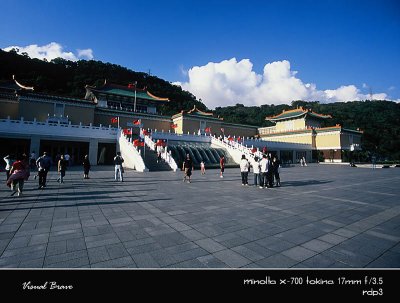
(254, 150)
(239, 138)
(230, 139)
(136, 122)
(207, 129)
(138, 142)
(145, 132)
(114, 120)
(174, 125)
(127, 131)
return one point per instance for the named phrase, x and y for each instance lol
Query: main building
(32, 121)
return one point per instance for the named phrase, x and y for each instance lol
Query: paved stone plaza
(323, 216)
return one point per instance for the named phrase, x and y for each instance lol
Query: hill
(68, 78)
(380, 120)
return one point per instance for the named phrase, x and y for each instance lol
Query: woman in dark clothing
(276, 168)
(187, 168)
(86, 167)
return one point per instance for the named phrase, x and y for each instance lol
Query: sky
(251, 52)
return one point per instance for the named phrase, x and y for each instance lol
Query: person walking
(119, 170)
(222, 166)
(61, 168)
(9, 162)
(373, 160)
(244, 170)
(19, 172)
(43, 164)
(276, 167)
(86, 167)
(256, 171)
(187, 168)
(32, 161)
(203, 168)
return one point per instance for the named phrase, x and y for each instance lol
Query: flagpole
(118, 121)
(134, 105)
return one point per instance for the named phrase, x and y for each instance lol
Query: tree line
(380, 120)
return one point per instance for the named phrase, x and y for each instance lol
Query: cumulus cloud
(51, 51)
(230, 81)
(85, 53)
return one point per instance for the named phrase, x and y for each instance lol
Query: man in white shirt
(263, 171)
(256, 171)
(244, 170)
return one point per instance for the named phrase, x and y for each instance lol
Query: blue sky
(250, 52)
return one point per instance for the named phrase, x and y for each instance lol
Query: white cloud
(51, 51)
(229, 82)
(85, 53)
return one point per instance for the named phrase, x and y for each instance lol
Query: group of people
(266, 170)
(18, 169)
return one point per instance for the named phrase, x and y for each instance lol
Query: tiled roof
(197, 113)
(296, 113)
(126, 91)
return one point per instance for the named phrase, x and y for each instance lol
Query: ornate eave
(295, 114)
(196, 113)
(130, 91)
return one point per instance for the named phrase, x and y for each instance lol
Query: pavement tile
(299, 253)
(210, 245)
(231, 258)
(145, 260)
(324, 219)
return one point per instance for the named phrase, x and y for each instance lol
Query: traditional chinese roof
(124, 91)
(295, 114)
(15, 85)
(195, 112)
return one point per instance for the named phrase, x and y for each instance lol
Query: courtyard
(323, 216)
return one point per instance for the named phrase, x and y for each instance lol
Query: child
(203, 168)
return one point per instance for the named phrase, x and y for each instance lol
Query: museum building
(58, 124)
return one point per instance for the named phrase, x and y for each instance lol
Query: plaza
(323, 216)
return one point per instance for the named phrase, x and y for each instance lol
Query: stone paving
(323, 216)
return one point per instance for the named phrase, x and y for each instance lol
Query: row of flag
(116, 120)
(173, 125)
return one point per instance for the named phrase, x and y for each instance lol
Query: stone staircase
(150, 159)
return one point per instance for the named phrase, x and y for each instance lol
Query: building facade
(329, 144)
(86, 126)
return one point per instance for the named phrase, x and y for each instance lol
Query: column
(35, 145)
(93, 150)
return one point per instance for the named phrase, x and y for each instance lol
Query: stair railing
(164, 155)
(132, 157)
